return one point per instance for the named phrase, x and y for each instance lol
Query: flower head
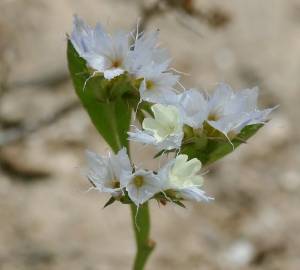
(181, 176)
(105, 171)
(155, 84)
(229, 111)
(147, 52)
(151, 62)
(225, 110)
(164, 130)
(140, 185)
(104, 53)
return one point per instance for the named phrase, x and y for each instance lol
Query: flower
(156, 84)
(104, 53)
(180, 177)
(140, 185)
(145, 51)
(225, 110)
(165, 130)
(104, 172)
(112, 55)
(150, 62)
(229, 111)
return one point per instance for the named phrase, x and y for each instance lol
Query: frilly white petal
(141, 136)
(146, 55)
(181, 176)
(194, 108)
(101, 50)
(235, 110)
(163, 131)
(162, 84)
(104, 171)
(194, 194)
(112, 73)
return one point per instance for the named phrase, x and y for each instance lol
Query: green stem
(141, 224)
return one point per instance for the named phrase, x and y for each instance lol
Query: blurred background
(49, 221)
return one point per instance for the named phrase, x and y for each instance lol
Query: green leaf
(110, 117)
(216, 149)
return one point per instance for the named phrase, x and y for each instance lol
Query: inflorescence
(175, 119)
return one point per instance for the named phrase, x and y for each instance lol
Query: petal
(156, 128)
(165, 114)
(219, 98)
(185, 169)
(171, 142)
(113, 72)
(97, 62)
(141, 136)
(124, 160)
(194, 193)
(194, 108)
(125, 178)
(81, 36)
(120, 162)
(150, 187)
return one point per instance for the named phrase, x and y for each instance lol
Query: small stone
(290, 181)
(239, 253)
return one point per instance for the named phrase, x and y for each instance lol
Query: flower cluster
(139, 56)
(224, 112)
(175, 118)
(178, 179)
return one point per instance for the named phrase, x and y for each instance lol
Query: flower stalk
(141, 225)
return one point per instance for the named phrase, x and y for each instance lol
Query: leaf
(110, 117)
(109, 202)
(216, 149)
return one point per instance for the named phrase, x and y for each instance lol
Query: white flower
(165, 130)
(150, 62)
(146, 52)
(105, 171)
(181, 176)
(225, 110)
(229, 111)
(113, 55)
(104, 53)
(156, 84)
(140, 185)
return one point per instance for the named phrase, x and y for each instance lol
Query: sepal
(109, 202)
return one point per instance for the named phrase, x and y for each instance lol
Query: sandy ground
(49, 221)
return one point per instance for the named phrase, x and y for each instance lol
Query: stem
(141, 225)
